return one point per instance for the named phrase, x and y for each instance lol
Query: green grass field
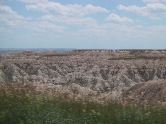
(20, 107)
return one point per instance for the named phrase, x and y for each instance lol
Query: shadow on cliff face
(144, 74)
(151, 92)
(98, 78)
(8, 72)
(132, 86)
(88, 72)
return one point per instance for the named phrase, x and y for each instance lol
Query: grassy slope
(20, 107)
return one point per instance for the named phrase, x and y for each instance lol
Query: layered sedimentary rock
(104, 74)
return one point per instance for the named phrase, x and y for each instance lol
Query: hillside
(136, 76)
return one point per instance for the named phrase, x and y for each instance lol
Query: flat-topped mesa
(52, 54)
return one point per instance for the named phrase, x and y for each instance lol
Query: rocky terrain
(129, 76)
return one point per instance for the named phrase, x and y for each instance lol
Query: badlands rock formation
(95, 74)
(149, 92)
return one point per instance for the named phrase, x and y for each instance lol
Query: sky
(83, 24)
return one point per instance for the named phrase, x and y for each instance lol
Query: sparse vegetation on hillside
(25, 106)
(97, 74)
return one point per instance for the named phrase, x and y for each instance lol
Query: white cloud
(68, 21)
(9, 16)
(65, 10)
(154, 1)
(67, 15)
(151, 1)
(114, 18)
(150, 9)
(63, 19)
(33, 1)
(44, 23)
(12, 19)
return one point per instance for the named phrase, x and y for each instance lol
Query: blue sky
(113, 24)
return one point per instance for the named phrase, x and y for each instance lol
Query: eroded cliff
(103, 74)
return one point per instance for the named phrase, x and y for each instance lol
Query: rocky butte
(127, 76)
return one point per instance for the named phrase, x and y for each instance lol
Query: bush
(17, 107)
